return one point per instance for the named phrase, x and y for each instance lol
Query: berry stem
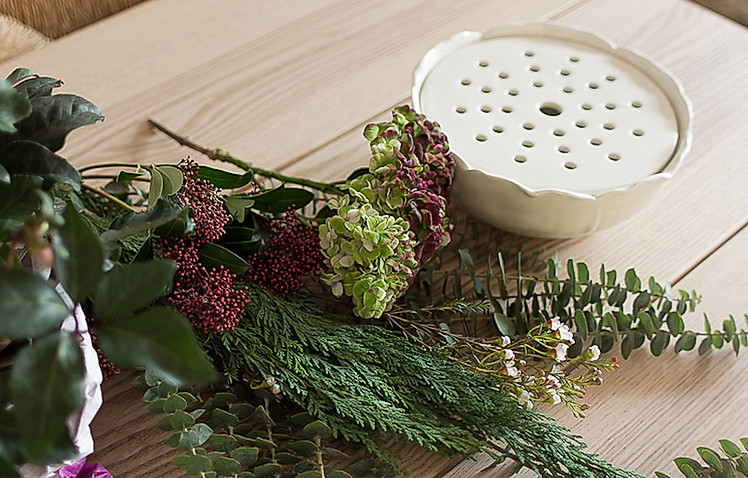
(220, 155)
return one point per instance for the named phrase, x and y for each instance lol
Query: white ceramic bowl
(557, 131)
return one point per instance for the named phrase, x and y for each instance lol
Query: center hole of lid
(550, 109)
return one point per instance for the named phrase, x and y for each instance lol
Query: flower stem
(222, 156)
(105, 194)
(108, 165)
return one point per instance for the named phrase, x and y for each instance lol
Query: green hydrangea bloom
(370, 254)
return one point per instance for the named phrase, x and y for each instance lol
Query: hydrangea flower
(370, 255)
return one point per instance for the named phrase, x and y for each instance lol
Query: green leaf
(659, 474)
(688, 466)
(310, 474)
(45, 387)
(39, 86)
(223, 442)
(303, 448)
(242, 410)
(659, 343)
(14, 107)
(174, 403)
(8, 469)
(127, 288)
(246, 456)
(504, 324)
(269, 469)
(180, 460)
(214, 255)
(675, 323)
(79, 256)
(197, 464)
(730, 448)
(333, 454)
(710, 457)
(224, 419)
(29, 306)
(156, 189)
(19, 74)
(301, 419)
(318, 429)
(18, 201)
(53, 117)
(138, 222)
(157, 406)
(173, 178)
(194, 436)
(224, 179)
(28, 157)
(160, 339)
(705, 345)
(181, 225)
(286, 458)
(4, 175)
(278, 200)
(261, 415)
(237, 206)
(646, 321)
(226, 466)
(627, 345)
(633, 283)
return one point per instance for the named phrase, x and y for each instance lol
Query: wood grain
(290, 85)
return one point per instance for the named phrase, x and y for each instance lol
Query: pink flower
(81, 469)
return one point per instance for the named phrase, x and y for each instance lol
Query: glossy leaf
(45, 387)
(53, 117)
(19, 74)
(318, 429)
(29, 305)
(39, 86)
(237, 206)
(173, 178)
(156, 188)
(159, 339)
(28, 157)
(214, 255)
(79, 256)
(224, 179)
(14, 107)
(280, 199)
(303, 447)
(137, 222)
(127, 288)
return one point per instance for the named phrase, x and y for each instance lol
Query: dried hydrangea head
(370, 255)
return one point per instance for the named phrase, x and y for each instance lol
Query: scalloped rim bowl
(553, 212)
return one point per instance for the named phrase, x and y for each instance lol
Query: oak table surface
(289, 85)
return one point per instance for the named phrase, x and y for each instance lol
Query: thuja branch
(222, 156)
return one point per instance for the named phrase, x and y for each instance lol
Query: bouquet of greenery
(343, 313)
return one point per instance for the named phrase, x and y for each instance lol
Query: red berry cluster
(207, 297)
(206, 207)
(293, 252)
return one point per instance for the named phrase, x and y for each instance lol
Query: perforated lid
(562, 111)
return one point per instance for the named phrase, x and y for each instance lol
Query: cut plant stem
(220, 155)
(105, 194)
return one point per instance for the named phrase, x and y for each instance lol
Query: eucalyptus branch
(114, 199)
(222, 156)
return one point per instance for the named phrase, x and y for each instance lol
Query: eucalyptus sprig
(733, 463)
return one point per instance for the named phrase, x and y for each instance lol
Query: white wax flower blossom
(560, 351)
(555, 323)
(556, 397)
(509, 354)
(595, 351)
(524, 399)
(505, 341)
(511, 370)
(563, 330)
(554, 382)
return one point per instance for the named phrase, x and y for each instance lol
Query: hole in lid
(498, 129)
(608, 126)
(586, 106)
(527, 144)
(570, 165)
(550, 109)
(614, 156)
(563, 149)
(596, 141)
(593, 86)
(580, 124)
(485, 109)
(610, 106)
(506, 109)
(486, 89)
(534, 68)
(529, 53)
(636, 104)
(574, 59)
(513, 92)
(558, 132)
(483, 63)
(465, 82)
(610, 78)
(520, 159)
(503, 75)
(460, 109)
(638, 132)
(480, 138)
(538, 84)
(568, 89)
(565, 73)
(528, 126)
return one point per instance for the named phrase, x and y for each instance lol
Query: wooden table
(289, 85)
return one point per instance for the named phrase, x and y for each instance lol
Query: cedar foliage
(366, 382)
